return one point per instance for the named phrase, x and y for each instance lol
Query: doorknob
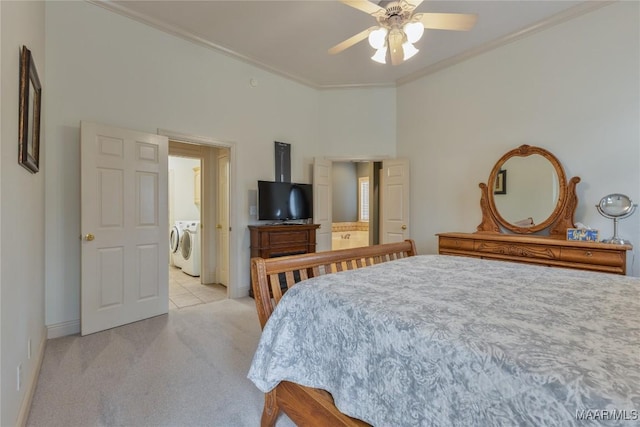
(219, 226)
(404, 227)
(89, 237)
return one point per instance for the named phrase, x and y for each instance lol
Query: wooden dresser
(270, 241)
(550, 251)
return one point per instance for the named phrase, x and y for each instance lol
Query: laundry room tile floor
(186, 291)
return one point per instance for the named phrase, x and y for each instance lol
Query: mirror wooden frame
(560, 219)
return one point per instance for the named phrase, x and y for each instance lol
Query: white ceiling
(291, 38)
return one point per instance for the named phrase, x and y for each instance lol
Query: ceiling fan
(398, 28)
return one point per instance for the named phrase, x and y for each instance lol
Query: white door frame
(358, 158)
(222, 216)
(232, 289)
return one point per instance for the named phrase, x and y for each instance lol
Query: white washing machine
(175, 242)
(190, 249)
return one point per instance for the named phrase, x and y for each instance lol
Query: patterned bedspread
(450, 341)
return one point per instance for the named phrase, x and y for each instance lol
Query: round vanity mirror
(528, 190)
(616, 206)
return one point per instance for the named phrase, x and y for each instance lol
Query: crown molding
(573, 12)
(189, 36)
(356, 86)
(564, 16)
(194, 139)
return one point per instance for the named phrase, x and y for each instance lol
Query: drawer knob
(588, 253)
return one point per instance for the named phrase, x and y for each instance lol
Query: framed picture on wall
(29, 113)
(283, 161)
(501, 183)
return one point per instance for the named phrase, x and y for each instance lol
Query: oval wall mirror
(533, 190)
(529, 193)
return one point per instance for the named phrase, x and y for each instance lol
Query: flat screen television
(284, 201)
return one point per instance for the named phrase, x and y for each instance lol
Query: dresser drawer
(448, 243)
(288, 238)
(593, 256)
(540, 250)
(517, 250)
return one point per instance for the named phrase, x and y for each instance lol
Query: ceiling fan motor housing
(395, 14)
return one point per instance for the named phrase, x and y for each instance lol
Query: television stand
(275, 240)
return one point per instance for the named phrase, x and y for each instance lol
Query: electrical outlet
(19, 377)
(252, 210)
(29, 349)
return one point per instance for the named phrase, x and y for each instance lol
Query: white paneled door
(124, 225)
(394, 201)
(322, 205)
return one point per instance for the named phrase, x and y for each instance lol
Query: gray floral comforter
(450, 341)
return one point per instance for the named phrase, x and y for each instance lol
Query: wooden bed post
(271, 410)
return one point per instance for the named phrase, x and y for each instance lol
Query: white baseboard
(32, 382)
(63, 329)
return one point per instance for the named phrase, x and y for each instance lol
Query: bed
(441, 340)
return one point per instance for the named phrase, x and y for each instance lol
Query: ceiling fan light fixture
(396, 38)
(414, 31)
(409, 50)
(378, 38)
(380, 55)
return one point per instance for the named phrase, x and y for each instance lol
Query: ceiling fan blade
(351, 41)
(414, 3)
(365, 6)
(448, 21)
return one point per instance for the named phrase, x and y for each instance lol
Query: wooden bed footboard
(308, 406)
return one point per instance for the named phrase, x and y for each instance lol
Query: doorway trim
(232, 289)
(358, 158)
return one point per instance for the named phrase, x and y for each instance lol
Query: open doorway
(198, 208)
(355, 204)
(388, 200)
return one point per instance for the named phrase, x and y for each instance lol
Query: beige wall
(344, 192)
(22, 213)
(569, 89)
(182, 203)
(357, 123)
(572, 89)
(107, 68)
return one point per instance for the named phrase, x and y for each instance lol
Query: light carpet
(187, 368)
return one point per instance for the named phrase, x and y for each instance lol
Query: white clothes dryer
(190, 249)
(175, 242)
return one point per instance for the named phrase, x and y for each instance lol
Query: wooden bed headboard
(266, 274)
(304, 405)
